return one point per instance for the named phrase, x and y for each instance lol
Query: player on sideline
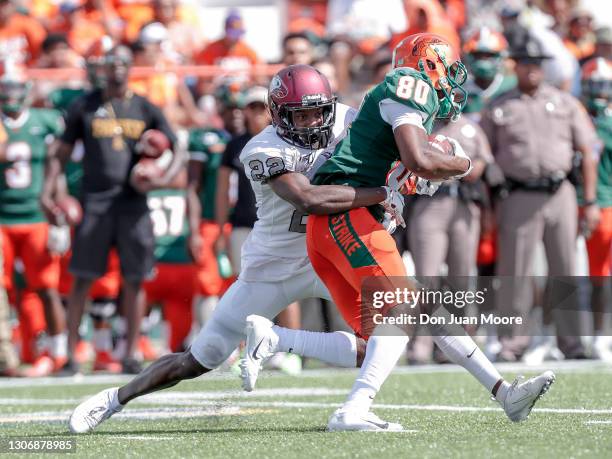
(393, 124)
(307, 124)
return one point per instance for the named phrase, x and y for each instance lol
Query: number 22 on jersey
(408, 87)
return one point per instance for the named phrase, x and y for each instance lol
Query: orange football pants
(173, 287)
(210, 282)
(347, 248)
(29, 242)
(599, 245)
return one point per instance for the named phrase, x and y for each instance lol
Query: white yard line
(567, 366)
(208, 406)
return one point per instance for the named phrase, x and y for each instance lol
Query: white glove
(389, 223)
(427, 187)
(58, 240)
(394, 206)
(461, 153)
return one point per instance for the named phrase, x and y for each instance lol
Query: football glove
(58, 240)
(394, 206)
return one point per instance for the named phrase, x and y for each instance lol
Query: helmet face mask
(14, 96)
(597, 85)
(453, 97)
(314, 137)
(297, 88)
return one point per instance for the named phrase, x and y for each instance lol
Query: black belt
(541, 184)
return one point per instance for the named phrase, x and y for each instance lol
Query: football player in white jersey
(307, 124)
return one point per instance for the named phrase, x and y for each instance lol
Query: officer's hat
(529, 49)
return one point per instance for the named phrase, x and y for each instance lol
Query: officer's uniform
(446, 226)
(533, 139)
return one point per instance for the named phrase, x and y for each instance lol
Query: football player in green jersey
(484, 54)
(351, 251)
(26, 233)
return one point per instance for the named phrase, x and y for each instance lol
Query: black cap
(529, 49)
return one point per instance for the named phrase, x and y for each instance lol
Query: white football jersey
(276, 248)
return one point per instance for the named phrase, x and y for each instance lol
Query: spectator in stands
(327, 68)
(134, 14)
(84, 23)
(21, 36)
(297, 49)
(580, 39)
(164, 88)
(230, 51)
(56, 54)
(184, 38)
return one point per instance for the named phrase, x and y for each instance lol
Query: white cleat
(601, 350)
(522, 396)
(347, 421)
(261, 344)
(546, 350)
(95, 410)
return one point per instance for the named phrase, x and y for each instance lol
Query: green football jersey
(207, 146)
(363, 158)
(477, 98)
(22, 173)
(168, 213)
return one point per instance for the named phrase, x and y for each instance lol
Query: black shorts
(130, 232)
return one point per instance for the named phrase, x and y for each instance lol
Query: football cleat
(261, 344)
(343, 421)
(95, 410)
(522, 396)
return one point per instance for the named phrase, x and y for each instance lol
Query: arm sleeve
(74, 123)
(396, 114)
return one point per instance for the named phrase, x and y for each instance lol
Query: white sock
(102, 339)
(337, 348)
(58, 345)
(384, 349)
(462, 350)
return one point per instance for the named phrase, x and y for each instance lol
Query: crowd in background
(213, 95)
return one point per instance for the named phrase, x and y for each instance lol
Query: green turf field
(445, 412)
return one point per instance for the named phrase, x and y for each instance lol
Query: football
(71, 210)
(441, 143)
(153, 143)
(148, 168)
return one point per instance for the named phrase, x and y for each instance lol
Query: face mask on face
(485, 69)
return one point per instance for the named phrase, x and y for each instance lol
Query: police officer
(110, 121)
(533, 131)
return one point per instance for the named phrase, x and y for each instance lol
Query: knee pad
(102, 308)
